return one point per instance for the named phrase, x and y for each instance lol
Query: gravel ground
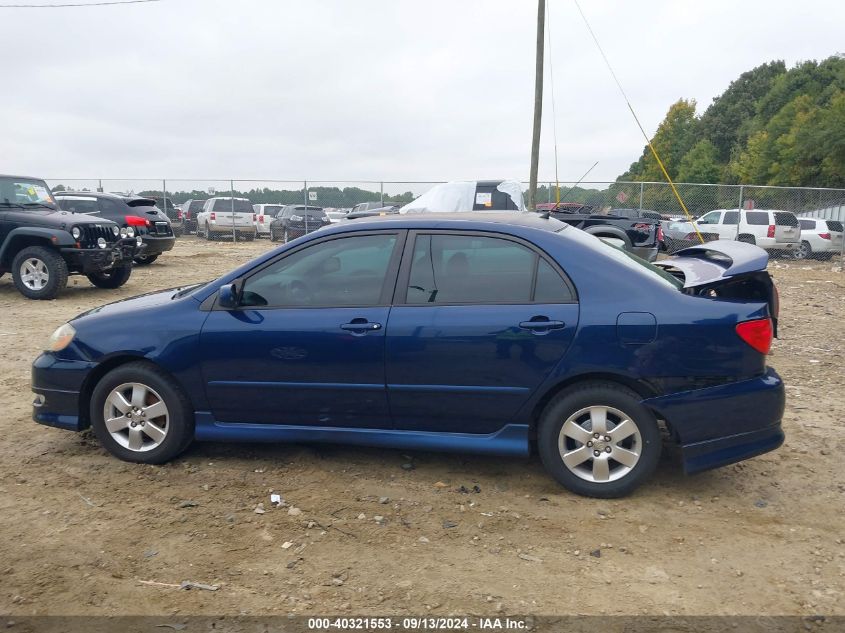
(369, 531)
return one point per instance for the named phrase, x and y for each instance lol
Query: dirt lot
(80, 530)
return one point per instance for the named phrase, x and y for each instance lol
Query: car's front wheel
(598, 440)
(140, 415)
(39, 272)
(113, 278)
(145, 260)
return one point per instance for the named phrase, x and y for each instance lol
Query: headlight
(130, 232)
(115, 229)
(296, 218)
(76, 232)
(123, 232)
(101, 242)
(139, 241)
(61, 338)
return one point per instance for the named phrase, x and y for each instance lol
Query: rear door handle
(360, 327)
(542, 325)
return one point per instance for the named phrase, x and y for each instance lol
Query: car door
(306, 346)
(479, 321)
(712, 223)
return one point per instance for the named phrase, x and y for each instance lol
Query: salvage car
(491, 333)
(820, 238)
(296, 220)
(226, 217)
(136, 215)
(41, 244)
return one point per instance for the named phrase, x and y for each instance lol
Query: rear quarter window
(808, 225)
(834, 225)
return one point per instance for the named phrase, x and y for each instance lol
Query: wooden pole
(538, 104)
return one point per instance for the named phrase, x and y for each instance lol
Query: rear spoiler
(716, 261)
(728, 270)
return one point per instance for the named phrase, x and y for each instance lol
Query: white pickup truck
(769, 229)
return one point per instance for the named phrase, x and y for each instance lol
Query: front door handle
(359, 327)
(541, 325)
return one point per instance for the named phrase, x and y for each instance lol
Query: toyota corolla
(487, 333)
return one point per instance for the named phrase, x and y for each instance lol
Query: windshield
(25, 192)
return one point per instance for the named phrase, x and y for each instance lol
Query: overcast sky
(370, 89)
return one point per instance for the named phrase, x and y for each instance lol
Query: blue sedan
(487, 333)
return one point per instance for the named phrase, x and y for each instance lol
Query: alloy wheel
(136, 417)
(600, 444)
(34, 273)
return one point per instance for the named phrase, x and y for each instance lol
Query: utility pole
(538, 104)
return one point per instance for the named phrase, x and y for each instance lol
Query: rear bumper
(721, 425)
(771, 244)
(223, 227)
(157, 245)
(56, 385)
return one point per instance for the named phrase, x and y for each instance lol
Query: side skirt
(511, 439)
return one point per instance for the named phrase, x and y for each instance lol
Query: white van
(769, 229)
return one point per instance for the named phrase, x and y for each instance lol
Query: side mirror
(227, 297)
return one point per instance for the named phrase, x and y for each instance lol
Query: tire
(147, 385)
(747, 239)
(177, 232)
(145, 260)
(207, 233)
(804, 251)
(285, 237)
(574, 408)
(111, 279)
(272, 235)
(247, 237)
(39, 272)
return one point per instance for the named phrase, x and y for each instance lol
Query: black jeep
(41, 245)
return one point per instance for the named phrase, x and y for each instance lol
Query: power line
(73, 4)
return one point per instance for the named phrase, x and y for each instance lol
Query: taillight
(642, 226)
(134, 220)
(824, 236)
(261, 219)
(659, 233)
(178, 215)
(757, 333)
(213, 216)
(771, 232)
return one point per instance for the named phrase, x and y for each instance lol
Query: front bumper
(57, 385)
(721, 425)
(93, 260)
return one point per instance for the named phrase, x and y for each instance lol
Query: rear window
(834, 225)
(142, 202)
(196, 205)
(241, 206)
(271, 209)
(784, 218)
(757, 218)
(808, 225)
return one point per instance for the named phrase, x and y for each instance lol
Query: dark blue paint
(466, 378)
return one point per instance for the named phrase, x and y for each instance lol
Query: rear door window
(731, 217)
(808, 225)
(80, 205)
(757, 218)
(471, 269)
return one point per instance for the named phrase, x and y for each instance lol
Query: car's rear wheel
(207, 233)
(145, 260)
(140, 415)
(598, 440)
(39, 273)
(272, 235)
(804, 251)
(285, 237)
(113, 278)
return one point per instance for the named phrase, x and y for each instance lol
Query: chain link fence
(798, 223)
